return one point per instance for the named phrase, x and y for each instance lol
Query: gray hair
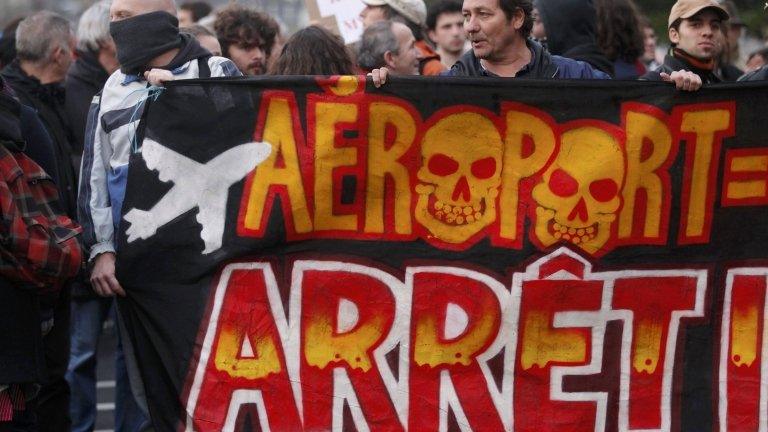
(377, 39)
(93, 28)
(40, 34)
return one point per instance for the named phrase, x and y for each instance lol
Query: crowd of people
(68, 104)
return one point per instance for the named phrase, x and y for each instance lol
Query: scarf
(142, 38)
(705, 65)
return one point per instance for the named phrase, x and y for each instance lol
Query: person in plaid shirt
(39, 251)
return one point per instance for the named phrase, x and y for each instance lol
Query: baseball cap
(685, 9)
(414, 10)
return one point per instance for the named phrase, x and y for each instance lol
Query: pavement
(105, 375)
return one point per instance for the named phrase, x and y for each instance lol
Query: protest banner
(449, 254)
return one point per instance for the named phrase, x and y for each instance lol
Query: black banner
(449, 254)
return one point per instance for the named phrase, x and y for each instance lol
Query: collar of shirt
(134, 78)
(523, 71)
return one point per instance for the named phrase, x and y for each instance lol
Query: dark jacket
(48, 100)
(758, 75)
(729, 73)
(85, 79)
(21, 356)
(542, 66)
(571, 26)
(674, 63)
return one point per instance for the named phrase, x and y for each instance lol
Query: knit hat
(414, 10)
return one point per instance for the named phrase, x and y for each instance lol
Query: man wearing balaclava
(149, 46)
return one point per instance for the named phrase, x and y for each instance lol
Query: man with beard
(149, 47)
(694, 26)
(247, 37)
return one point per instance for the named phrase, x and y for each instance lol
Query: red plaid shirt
(11, 399)
(38, 244)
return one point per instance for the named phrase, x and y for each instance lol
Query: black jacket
(672, 64)
(49, 102)
(571, 26)
(729, 73)
(21, 343)
(85, 79)
(542, 66)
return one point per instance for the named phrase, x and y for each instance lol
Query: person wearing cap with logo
(694, 29)
(412, 13)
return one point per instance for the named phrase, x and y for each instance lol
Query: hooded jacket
(542, 66)
(85, 79)
(674, 63)
(571, 26)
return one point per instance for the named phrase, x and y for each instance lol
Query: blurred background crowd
(748, 32)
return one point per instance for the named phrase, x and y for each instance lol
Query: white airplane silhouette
(205, 186)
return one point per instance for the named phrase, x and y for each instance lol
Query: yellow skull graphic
(580, 193)
(460, 176)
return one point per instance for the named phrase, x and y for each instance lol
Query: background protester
(8, 43)
(96, 60)
(22, 355)
(571, 26)
(314, 51)
(204, 37)
(412, 13)
(45, 46)
(694, 26)
(734, 30)
(192, 12)
(445, 26)
(728, 52)
(757, 60)
(726, 71)
(389, 44)
(247, 37)
(650, 41)
(620, 37)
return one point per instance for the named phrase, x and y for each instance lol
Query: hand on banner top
(157, 77)
(379, 76)
(683, 79)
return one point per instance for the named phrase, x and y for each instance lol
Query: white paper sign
(347, 16)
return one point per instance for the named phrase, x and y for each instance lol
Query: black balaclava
(142, 38)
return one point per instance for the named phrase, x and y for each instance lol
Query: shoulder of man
(757, 75)
(573, 69)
